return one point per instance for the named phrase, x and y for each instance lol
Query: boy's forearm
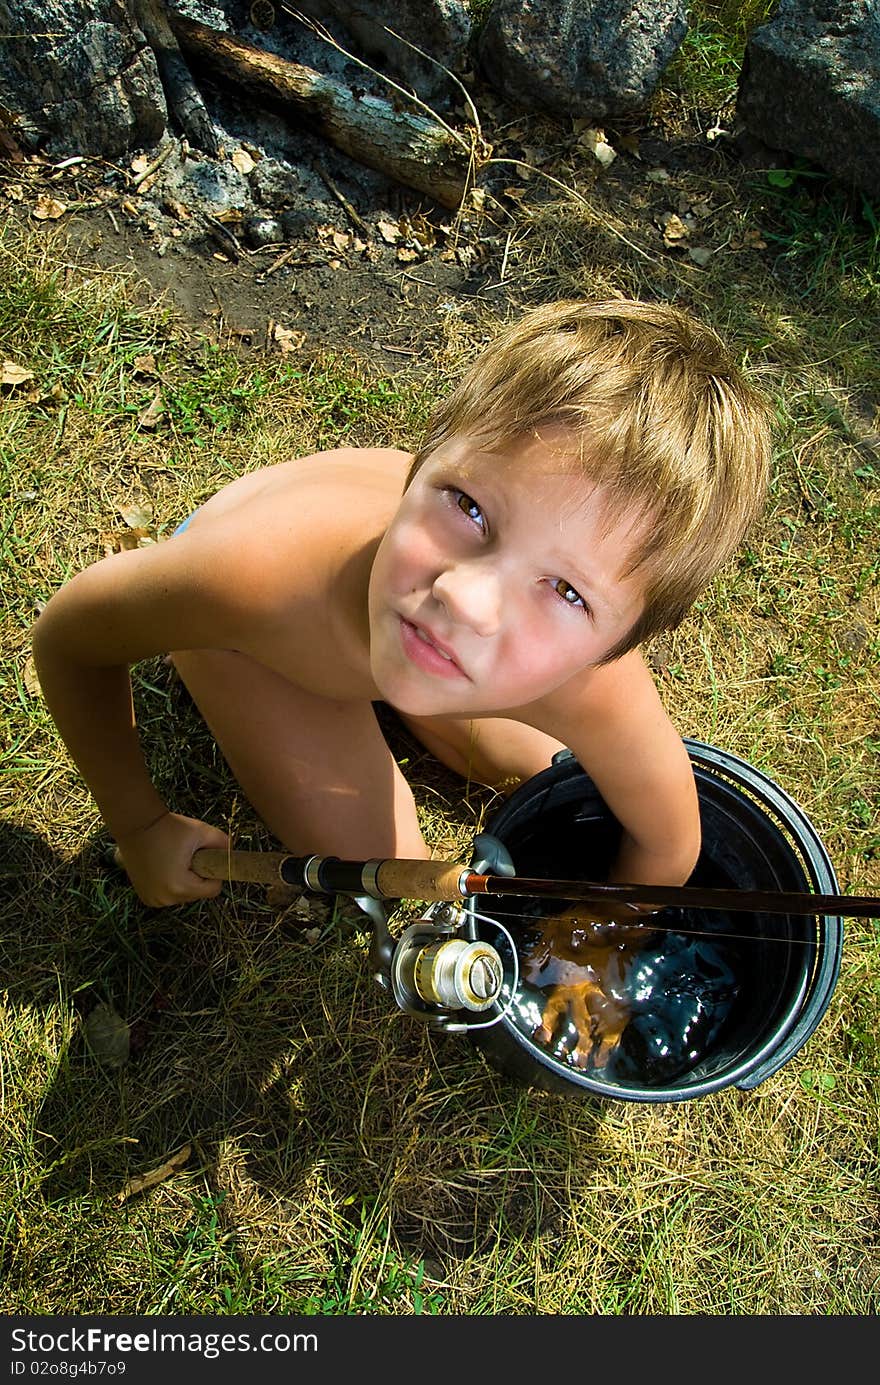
(637, 863)
(92, 709)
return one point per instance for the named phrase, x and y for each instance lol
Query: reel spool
(435, 971)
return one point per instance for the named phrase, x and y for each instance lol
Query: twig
(284, 258)
(341, 198)
(504, 257)
(151, 168)
(229, 241)
(452, 77)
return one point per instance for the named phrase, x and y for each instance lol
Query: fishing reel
(438, 970)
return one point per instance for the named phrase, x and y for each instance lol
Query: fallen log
(420, 153)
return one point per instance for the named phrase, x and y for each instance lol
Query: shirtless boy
(577, 491)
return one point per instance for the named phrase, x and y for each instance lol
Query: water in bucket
(701, 999)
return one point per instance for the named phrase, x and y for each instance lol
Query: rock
(263, 230)
(810, 86)
(275, 185)
(441, 28)
(597, 60)
(79, 77)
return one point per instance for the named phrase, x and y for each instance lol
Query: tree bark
(412, 150)
(184, 100)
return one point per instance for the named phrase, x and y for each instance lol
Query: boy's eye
(469, 507)
(568, 594)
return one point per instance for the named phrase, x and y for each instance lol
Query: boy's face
(498, 580)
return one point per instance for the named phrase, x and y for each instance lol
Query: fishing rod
(439, 881)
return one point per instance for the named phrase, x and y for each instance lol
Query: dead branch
(420, 153)
(184, 100)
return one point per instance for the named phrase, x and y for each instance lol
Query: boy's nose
(471, 594)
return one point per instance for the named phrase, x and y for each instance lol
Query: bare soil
(365, 265)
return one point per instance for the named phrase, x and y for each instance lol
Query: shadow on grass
(254, 1042)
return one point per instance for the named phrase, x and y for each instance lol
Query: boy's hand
(575, 959)
(158, 860)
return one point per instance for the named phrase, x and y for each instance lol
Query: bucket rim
(802, 839)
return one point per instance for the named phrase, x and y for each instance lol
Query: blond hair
(661, 418)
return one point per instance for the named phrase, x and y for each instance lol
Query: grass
(342, 1159)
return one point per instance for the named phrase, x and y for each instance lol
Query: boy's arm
(621, 734)
(111, 615)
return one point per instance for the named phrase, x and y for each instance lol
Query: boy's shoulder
(285, 552)
(615, 704)
(302, 514)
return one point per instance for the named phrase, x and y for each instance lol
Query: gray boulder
(441, 28)
(78, 76)
(573, 57)
(810, 86)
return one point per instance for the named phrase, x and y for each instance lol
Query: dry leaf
(141, 1181)
(423, 231)
(48, 208)
(151, 415)
(14, 375)
(674, 230)
(30, 679)
(389, 231)
(137, 516)
(108, 1036)
(124, 540)
(517, 194)
(139, 164)
(145, 365)
(288, 340)
(477, 199)
(242, 161)
(594, 140)
(406, 256)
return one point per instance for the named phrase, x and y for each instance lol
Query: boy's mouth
(428, 653)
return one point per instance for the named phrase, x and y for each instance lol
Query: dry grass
(343, 1159)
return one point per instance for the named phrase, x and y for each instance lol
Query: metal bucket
(752, 987)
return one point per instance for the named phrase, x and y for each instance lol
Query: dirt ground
(369, 265)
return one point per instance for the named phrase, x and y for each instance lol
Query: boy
(589, 475)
